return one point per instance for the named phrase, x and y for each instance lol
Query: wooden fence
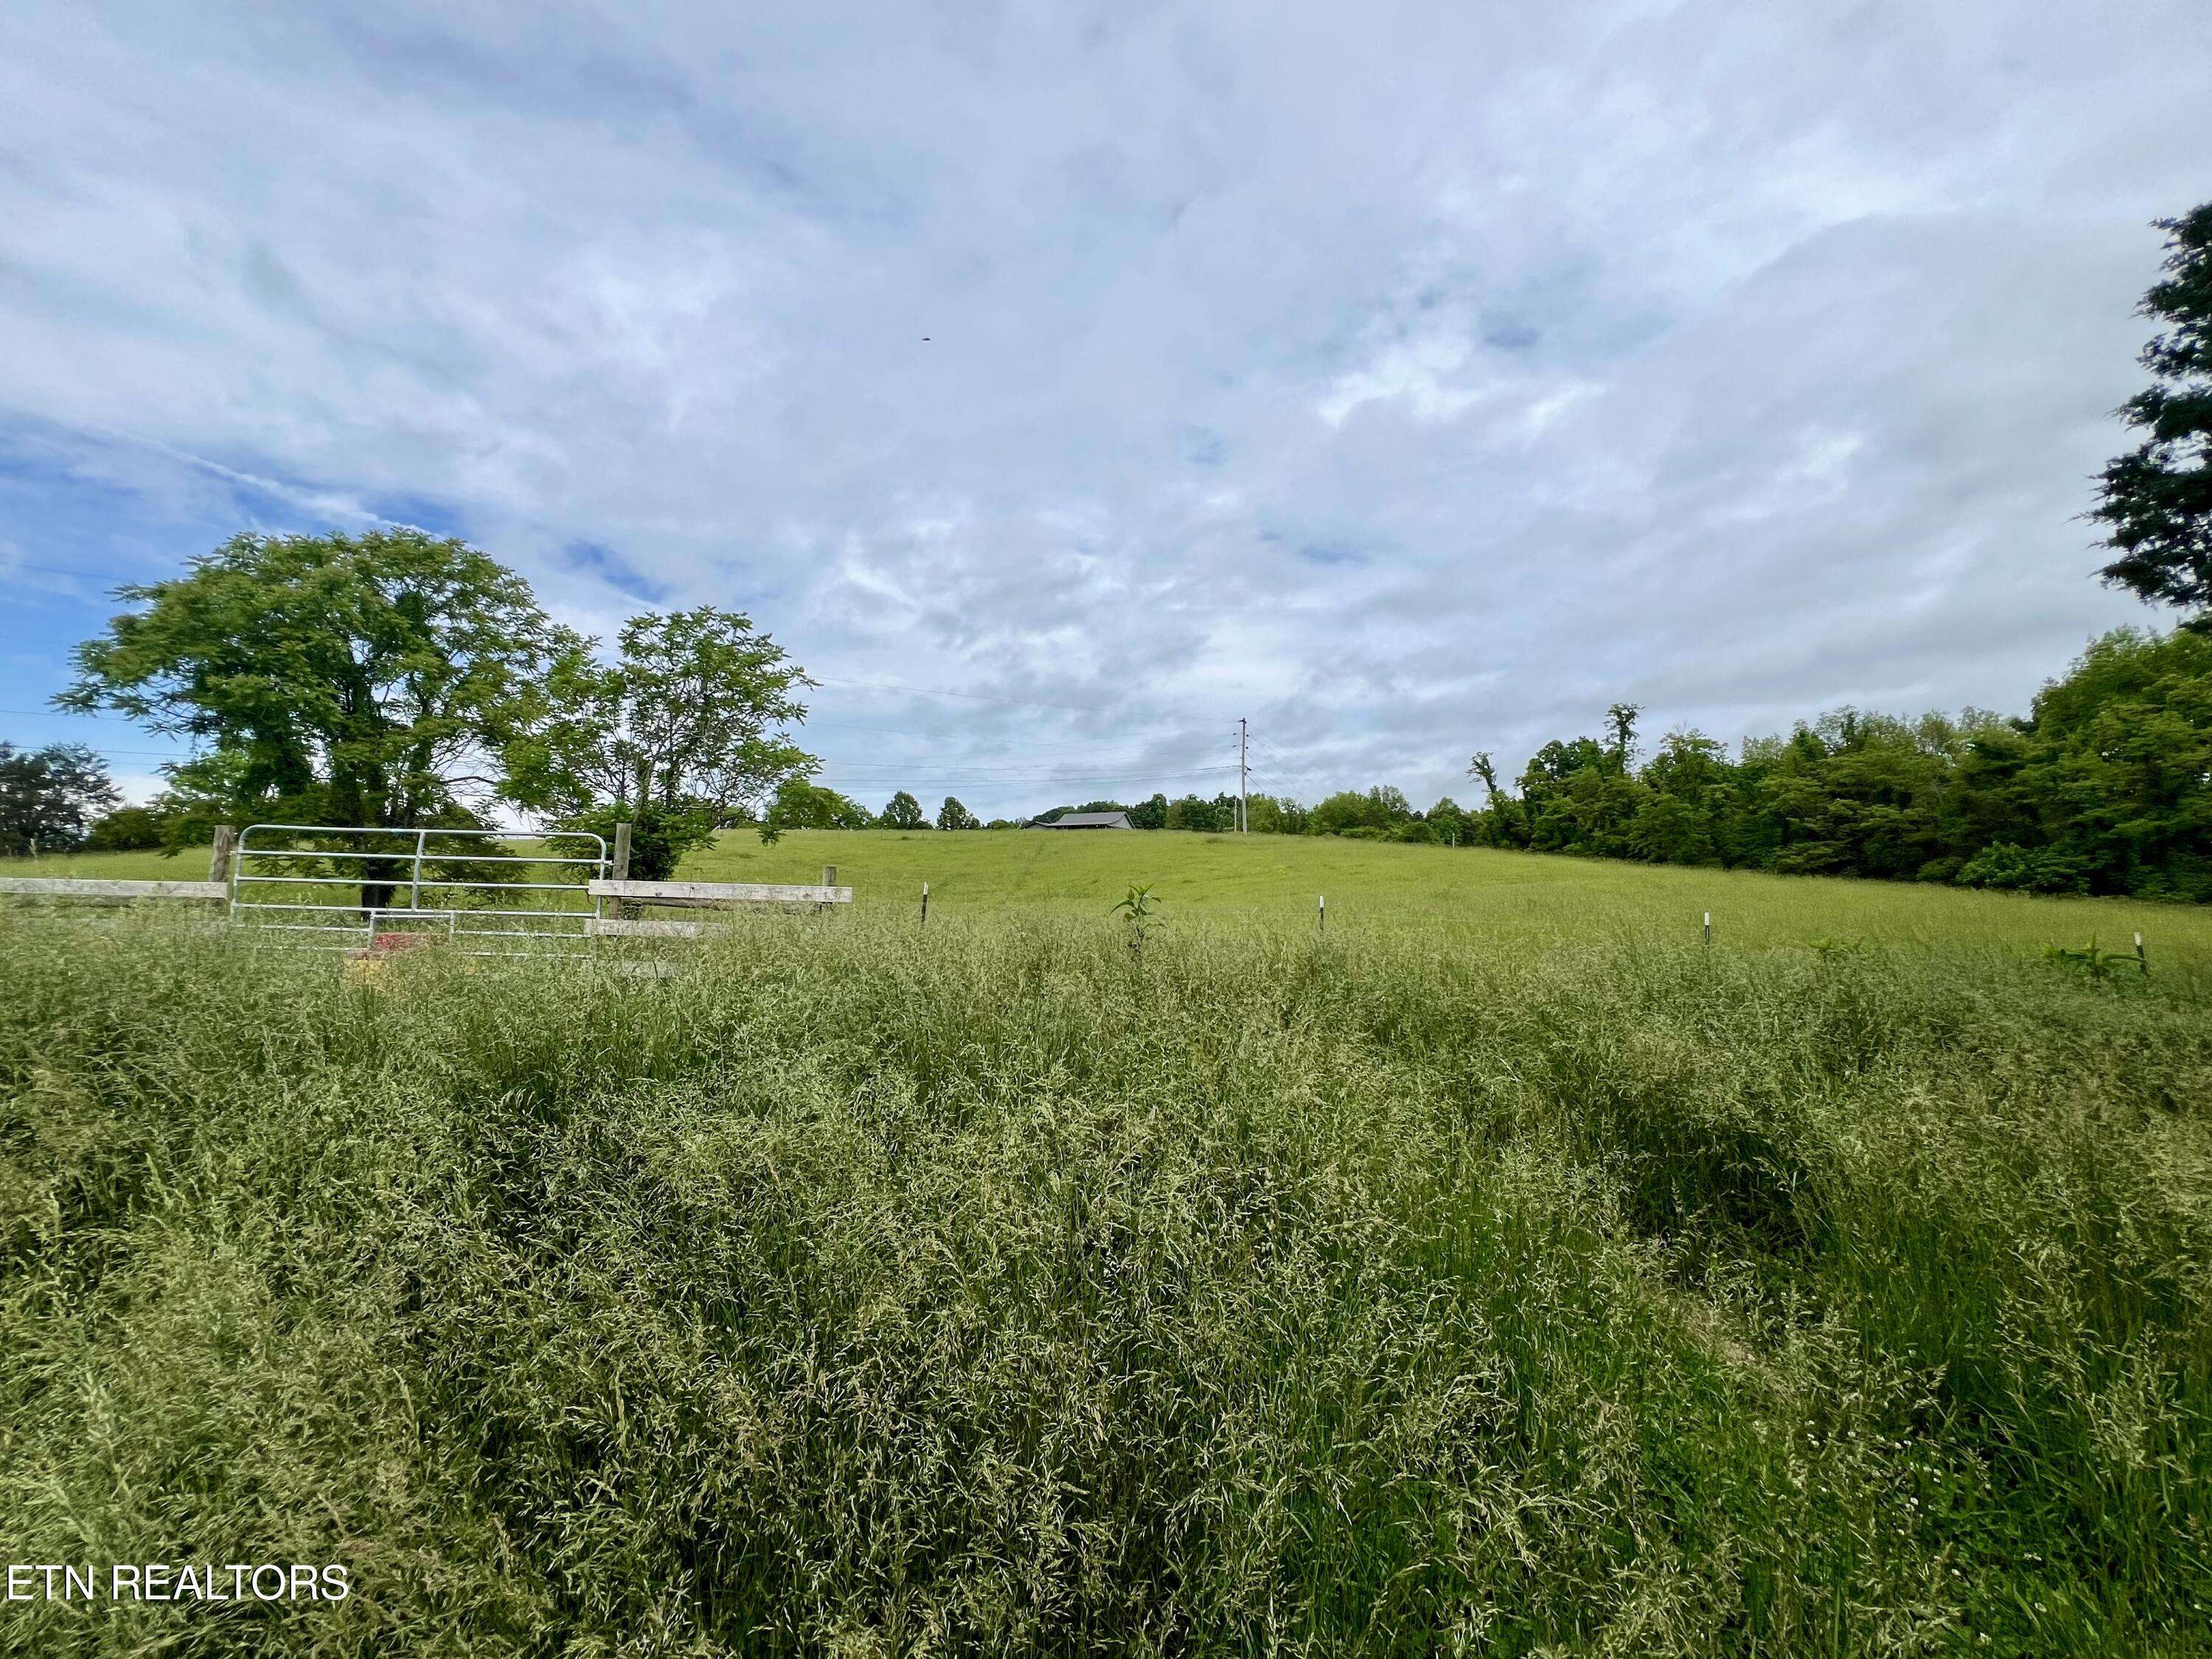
(626, 896)
(216, 890)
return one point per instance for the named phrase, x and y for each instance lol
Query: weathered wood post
(925, 904)
(624, 909)
(2142, 961)
(220, 856)
(829, 879)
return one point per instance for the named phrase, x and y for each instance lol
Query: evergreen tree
(2157, 498)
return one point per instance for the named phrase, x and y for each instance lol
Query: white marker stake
(925, 904)
(1709, 930)
(1322, 908)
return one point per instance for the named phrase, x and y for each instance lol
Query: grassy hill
(1504, 1273)
(1514, 898)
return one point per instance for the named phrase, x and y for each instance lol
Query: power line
(1132, 749)
(934, 691)
(945, 782)
(64, 570)
(894, 767)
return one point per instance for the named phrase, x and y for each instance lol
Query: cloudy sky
(1061, 383)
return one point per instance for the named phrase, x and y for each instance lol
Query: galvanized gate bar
(518, 923)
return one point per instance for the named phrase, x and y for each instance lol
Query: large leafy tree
(692, 717)
(363, 680)
(684, 732)
(801, 804)
(902, 811)
(49, 796)
(2157, 498)
(953, 816)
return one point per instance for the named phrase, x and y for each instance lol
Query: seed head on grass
(842, 1294)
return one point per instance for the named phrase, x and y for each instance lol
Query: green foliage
(853, 1289)
(690, 719)
(902, 811)
(1378, 812)
(2097, 963)
(953, 816)
(660, 836)
(1447, 822)
(1137, 907)
(128, 829)
(1152, 814)
(2105, 788)
(49, 796)
(1214, 817)
(369, 680)
(800, 803)
(1275, 815)
(2005, 864)
(2157, 499)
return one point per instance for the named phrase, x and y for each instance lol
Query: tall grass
(858, 1290)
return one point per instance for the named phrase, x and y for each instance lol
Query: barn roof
(1085, 821)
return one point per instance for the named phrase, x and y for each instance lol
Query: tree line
(2105, 787)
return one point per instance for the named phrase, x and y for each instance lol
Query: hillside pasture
(1517, 900)
(857, 1288)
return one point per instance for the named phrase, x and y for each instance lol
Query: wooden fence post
(925, 904)
(624, 911)
(829, 879)
(220, 856)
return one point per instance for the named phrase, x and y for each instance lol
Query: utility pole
(1244, 811)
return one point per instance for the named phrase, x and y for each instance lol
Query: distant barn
(1083, 821)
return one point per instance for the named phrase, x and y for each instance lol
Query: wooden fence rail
(111, 892)
(718, 894)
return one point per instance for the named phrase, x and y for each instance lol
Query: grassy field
(1504, 1273)
(1514, 899)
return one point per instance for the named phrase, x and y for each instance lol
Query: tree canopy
(372, 679)
(399, 679)
(800, 803)
(690, 717)
(2105, 786)
(902, 811)
(50, 797)
(2156, 500)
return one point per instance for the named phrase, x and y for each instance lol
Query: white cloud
(1412, 381)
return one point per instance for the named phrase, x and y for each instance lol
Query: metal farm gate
(341, 888)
